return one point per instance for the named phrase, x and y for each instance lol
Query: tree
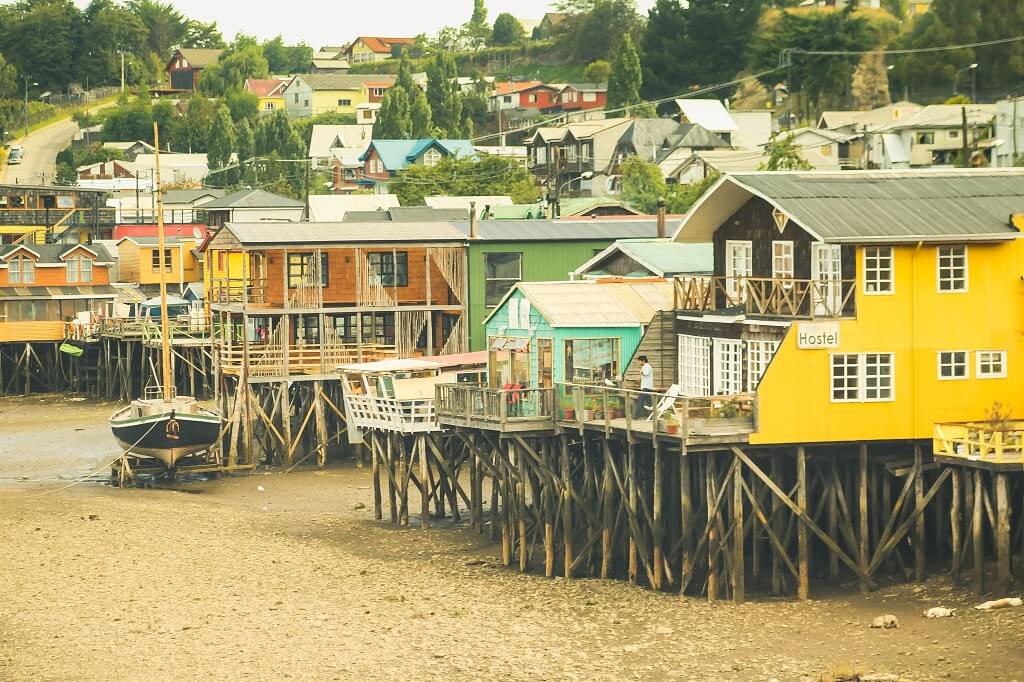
(597, 72)
(166, 26)
(394, 121)
(189, 133)
(221, 141)
(594, 26)
(198, 34)
(107, 30)
(451, 176)
(781, 153)
(129, 122)
(421, 119)
(41, 38)
(283, 58)
(245, 148)
(695, 43)
(642, 184)
(274, 135)
(682, 197)
(507, 30)
(444, 96)
(242, 104)
(625, 78)
(476, 32)
(8, 79)
(233, 69)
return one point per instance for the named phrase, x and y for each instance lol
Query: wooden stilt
(863, 553)
(378, 512)
(738, 569)
(658, 531)
(803, 586)
(919, 527)
(954, 525)
(976, 536)
(424, 482)
(607, 512)
(633, 567)
(567, 529)
(686, 515)
(712, 529)
(1002, 531)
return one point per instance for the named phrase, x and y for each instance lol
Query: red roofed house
(582, 96)
(543, 97)
(269, 91)
(504, 94)
(366, 49)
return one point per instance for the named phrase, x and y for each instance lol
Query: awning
(30, 292)
(512, 343)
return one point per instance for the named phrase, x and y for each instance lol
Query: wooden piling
(803, 586)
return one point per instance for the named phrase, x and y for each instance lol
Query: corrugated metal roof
(26, 293)
(852, 206)
(662, 257)
(709, 113)
(326, 208)
(593, 304)
(463, 202)
(52, 253)
(415, 214)
(263, 234)
(252, 198)
(562, 230)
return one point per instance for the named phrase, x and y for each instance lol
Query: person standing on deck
(644, 403)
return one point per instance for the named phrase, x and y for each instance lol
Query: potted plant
(615, 408)
(671, 423)
(568, 410)
(588, 410)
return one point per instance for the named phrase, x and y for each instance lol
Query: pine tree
(245, 146)
(394, 122)
(221, 142)
(421, 118)
(444, 96)
(625, 79)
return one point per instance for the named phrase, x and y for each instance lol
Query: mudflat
(218, 580)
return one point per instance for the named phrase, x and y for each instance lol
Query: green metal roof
(661, 257)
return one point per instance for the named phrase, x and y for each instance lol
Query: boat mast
(164, 322)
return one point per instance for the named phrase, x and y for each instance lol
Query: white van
(16, 154)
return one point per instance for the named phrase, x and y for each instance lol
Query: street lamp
(973, 68)
(27, 79)
(585, 175)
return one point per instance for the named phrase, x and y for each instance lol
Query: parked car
(16, 154)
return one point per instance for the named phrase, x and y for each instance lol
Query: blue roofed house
(384, 158)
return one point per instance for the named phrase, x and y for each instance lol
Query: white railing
(390, 414)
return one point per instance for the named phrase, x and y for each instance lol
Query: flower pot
(569, 413)
(671, 428)
(588, 415)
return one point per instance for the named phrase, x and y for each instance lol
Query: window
(390, 269)
(952, 268)
(300, 269)
(694, 365)
(728, 366)
(269, 105)
(738, 266)
(305, 103)
(376, 166)
(501, 272)
(377, 92)
(532, 99)
(507, 99)
(589, 96)
(759, 354)
(431, 158)
(155, 260)
(591, 360)
(296, 98)
(782, 260)
(952, 364)
(21, 270)
(344, 102)
(954, 134)
(79, 269)
(306, 329)
(878, 270)
(924, 138)
(862, 377)
(991, 364)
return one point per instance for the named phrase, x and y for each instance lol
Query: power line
(909, 50)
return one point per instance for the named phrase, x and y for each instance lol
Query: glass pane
(503, 265)
(494, 290)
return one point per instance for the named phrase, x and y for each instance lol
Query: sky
(334, 22)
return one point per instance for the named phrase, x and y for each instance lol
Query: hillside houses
(322, 93)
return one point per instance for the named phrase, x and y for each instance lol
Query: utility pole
(965, 149)
(122, 71)
(27, 78)
(974, 86)
(306, 192)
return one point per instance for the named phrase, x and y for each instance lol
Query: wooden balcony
(768, 297)
(696, 421)
(184, 331)
(274, 360)
(472, 405)
(390, 414)
(997, 444)
(251, 290)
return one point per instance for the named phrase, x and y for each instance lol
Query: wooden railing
(658, 413)
(236, 290)
(271, 360)
(991, 442)
(794, 298)
(390, 414)
(121, 326)
(471, 403)
(67, 217)
(184, 330)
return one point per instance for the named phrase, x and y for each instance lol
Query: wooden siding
(660, 346)
(57, 276)
(31, 331)
(754, 222)
(128, 262)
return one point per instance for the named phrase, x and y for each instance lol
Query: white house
(336, 142)
(1009, 129)
(331, 208)
(175, 169)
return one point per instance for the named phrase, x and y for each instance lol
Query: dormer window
(21, 270)
(79, 269)
(431, 158)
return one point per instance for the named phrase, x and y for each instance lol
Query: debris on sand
(1004, 603)
(938, 612)
(885, 622)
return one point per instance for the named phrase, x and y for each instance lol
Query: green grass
(59, 115)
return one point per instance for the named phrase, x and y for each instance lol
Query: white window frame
(939, 267)
(694, 365)
(952, 362)
(431, 158)
(759, 356)
(871, 261)
(786, 254)
(21, 270)
(861, 378)
(727, 366)
(734, 287)
(989, 374)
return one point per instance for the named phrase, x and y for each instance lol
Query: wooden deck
(713, 433)
(995, 446)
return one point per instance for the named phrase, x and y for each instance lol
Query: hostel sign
(811, 335)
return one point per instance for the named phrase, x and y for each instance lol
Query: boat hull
(150, 435)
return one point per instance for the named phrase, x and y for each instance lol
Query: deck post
(567, 508)
(862, 510)
(710, 475)
(608, 512)
(976, 534)
(378, 512)
(777, 524)
(738, 567)
(659, 523)
(803, 588)
(633, 567)
(421, 449)
(919, 529)
(1002, 530)
(954, 525)
(686, 515)
(832, 517)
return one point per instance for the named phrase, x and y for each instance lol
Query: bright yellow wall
(278, 103)
(325, 101)
(234, 261)
(150, 275)
(12, 232)
(914, 323)
(361, 53)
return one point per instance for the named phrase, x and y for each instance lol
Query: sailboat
(162, 425)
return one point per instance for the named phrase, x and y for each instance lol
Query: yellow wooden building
(861, 306)
(139, 261)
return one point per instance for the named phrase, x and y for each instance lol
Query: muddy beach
(219, 580)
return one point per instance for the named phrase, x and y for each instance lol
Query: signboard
(811, 335)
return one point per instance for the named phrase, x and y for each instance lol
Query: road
(41, 149)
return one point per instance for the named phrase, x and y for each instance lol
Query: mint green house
(585, 332)
(506, 252)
